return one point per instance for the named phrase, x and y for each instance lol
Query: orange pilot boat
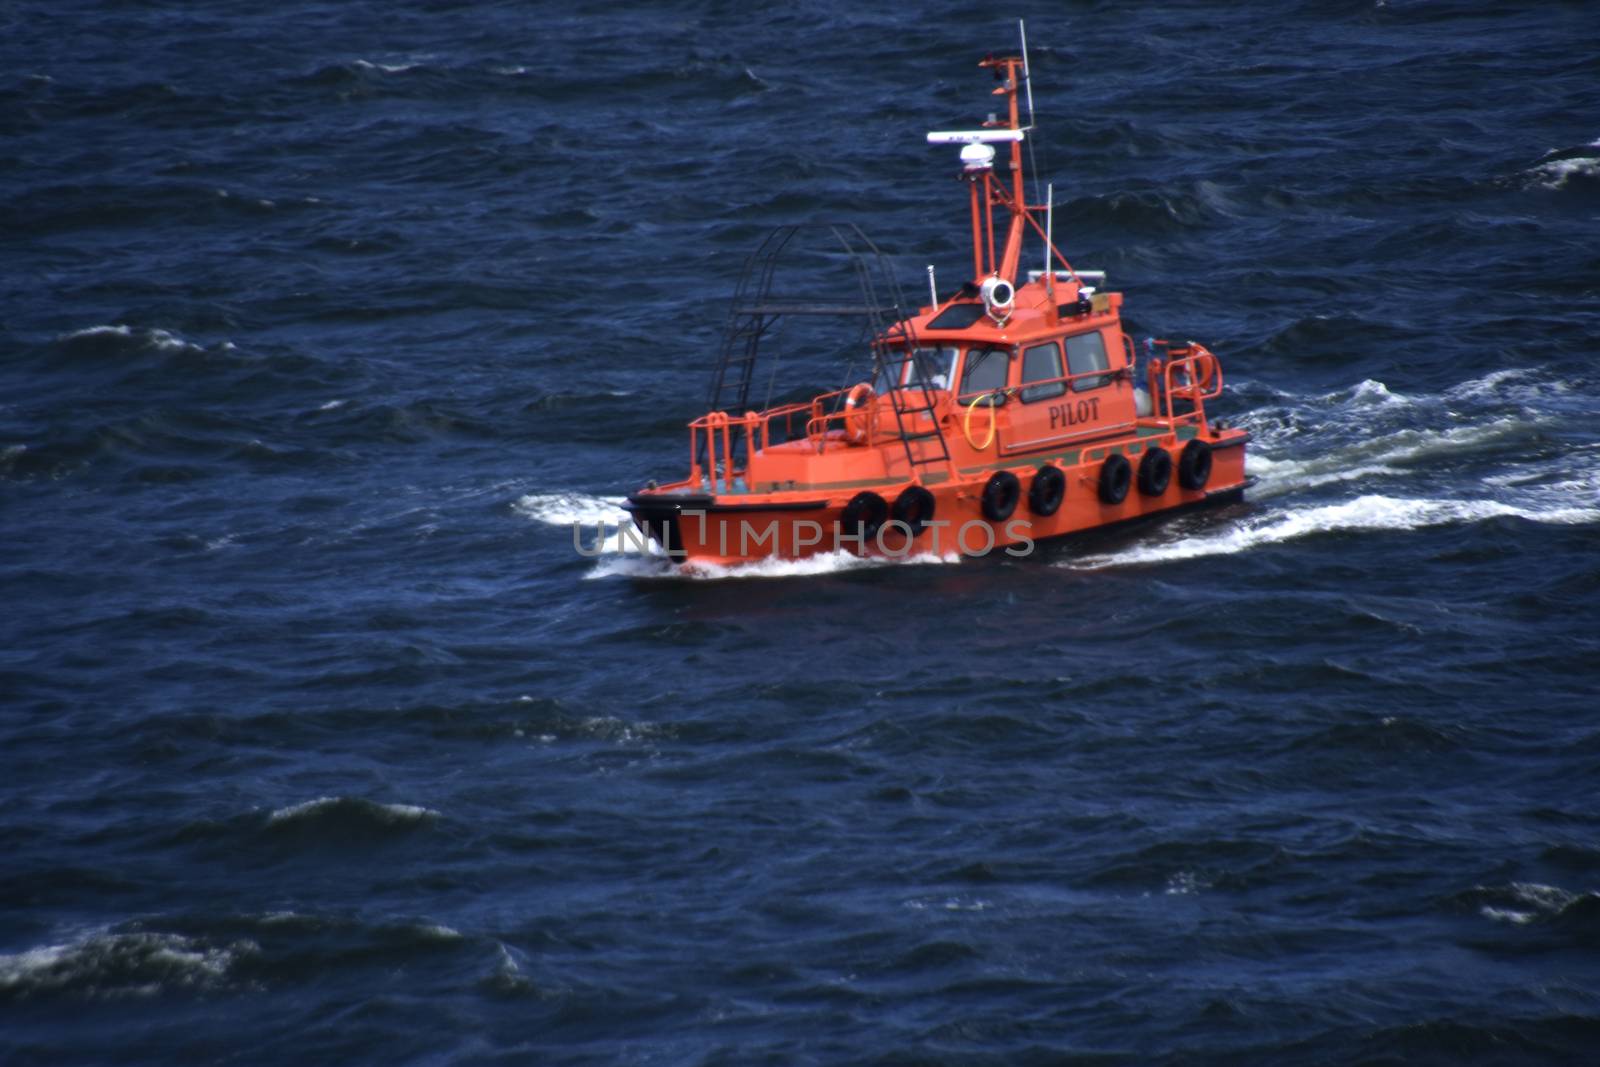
(1012, 411)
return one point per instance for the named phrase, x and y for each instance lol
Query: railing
(1190, 372)
(719, 429)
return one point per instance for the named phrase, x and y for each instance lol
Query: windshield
(932, 365)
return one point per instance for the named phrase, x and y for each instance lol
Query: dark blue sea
(321, 324)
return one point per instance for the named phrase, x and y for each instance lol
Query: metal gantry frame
(886, 333)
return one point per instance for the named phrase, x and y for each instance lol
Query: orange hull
(731, 529)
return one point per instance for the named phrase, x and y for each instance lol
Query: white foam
(1507, 915)
(636, 566)
(564, 509)
(121, 964)
(387, 68)
(170, 342)
(1490, 384)
(1555, 174)
(391, 812)
(439, 932)
(1278, 476)
(1376, 455)
(1371, 393)
(1527, 901)
(158, 339)
(332, 405)
(101, 331)
(1363, 514)
(1184, 883)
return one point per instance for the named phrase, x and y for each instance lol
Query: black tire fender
(914, 507)
(1155, 471)
(1000, 496)
(864, 515)
(1194, 465)
(1048, 488)
(1116, 475)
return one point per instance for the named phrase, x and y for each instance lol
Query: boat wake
(1373, 446)
(636, 566)
(1373, 512)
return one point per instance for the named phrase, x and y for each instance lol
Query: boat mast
(1006, 70)
(986, 194)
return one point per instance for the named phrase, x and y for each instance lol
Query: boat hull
(741, 528)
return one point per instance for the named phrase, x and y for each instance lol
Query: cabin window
(956, 317)
(1039, 364)
(931, 365)
(985, 371)
(1087, 352)
(934, 366)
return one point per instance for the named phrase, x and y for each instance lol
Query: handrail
(1202, 373)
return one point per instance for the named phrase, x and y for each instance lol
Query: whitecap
(1507, 915)
(109, 964)
(100, 331)
(387, 68)
(156, 338)
(391, 812)
(1370, 391)
(565, 509)
(439, 932)
(1556, 174)
(165, 341)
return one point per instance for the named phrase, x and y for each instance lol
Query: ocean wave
(1565, 168)
(1379, 455)
(113, 965)
(1370, 430)
(122, 337)
(348, 809)
(1531, 903)
(388, 68)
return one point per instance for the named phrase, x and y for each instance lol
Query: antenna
(1033, 163)
(1027, 79)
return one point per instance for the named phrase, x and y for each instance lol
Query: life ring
(966, 423)
(914, 507)
(1199, 371)
(1000, 495)
(863, 517)
(1116, 474)
(1194, 465)
(1048, 488)
(1155, 471)
(858, 413)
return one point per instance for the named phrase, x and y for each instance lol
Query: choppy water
(321, 324)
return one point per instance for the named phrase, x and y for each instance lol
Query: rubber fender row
(1003, 492)
(868, 511)
(1155, 472)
